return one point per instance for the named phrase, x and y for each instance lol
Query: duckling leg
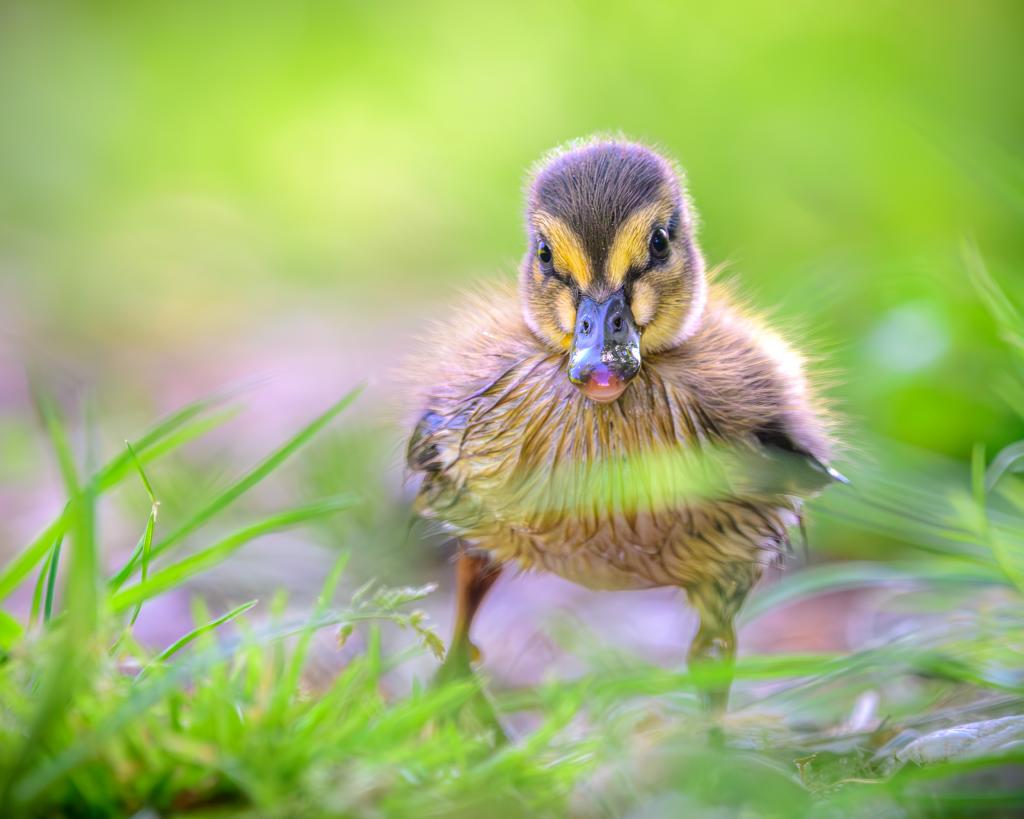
(718, 602)
(474, 577)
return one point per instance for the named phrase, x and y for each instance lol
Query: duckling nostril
(585, 327)
(617, 324)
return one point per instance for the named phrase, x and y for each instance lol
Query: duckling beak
(605, 353)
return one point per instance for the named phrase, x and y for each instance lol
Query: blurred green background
(174, 174)
(196, 194)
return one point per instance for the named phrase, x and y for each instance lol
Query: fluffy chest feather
(611, 496)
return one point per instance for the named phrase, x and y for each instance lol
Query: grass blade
(153, 691)
(69, 666)
(37, 594)
(248, 480)
(59, 440)
(185, 639)
(175, 574)
(289, 685)
(173, 432)
(178, 422)
(10, 630)
(1002, 309)
(26, 560)
(146, 544)
(816, 580)
(51, 580)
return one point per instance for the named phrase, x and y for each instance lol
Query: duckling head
(612, 271)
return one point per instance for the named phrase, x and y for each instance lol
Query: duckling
(544, 414)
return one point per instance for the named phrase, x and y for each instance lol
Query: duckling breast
(620, 495)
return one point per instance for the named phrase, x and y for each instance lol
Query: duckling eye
(544, 255)
(659, 244)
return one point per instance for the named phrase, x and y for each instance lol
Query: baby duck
(557, 427)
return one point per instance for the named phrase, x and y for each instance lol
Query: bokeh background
(275, 197)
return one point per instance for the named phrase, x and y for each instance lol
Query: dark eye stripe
(564, 280)
(636, 271)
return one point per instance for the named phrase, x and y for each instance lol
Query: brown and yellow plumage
(542, 447)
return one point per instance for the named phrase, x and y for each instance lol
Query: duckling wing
(465, 421)
(792, 467)
(753, 388)
(423, 453)
(435, 442)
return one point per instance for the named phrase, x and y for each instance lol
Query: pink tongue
(603, 385)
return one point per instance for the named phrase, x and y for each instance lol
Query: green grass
(197, 181)
(222, 721)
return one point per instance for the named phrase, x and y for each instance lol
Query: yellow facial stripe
(565, 308)
(629, 247)
(644, 303)
(570, 257)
